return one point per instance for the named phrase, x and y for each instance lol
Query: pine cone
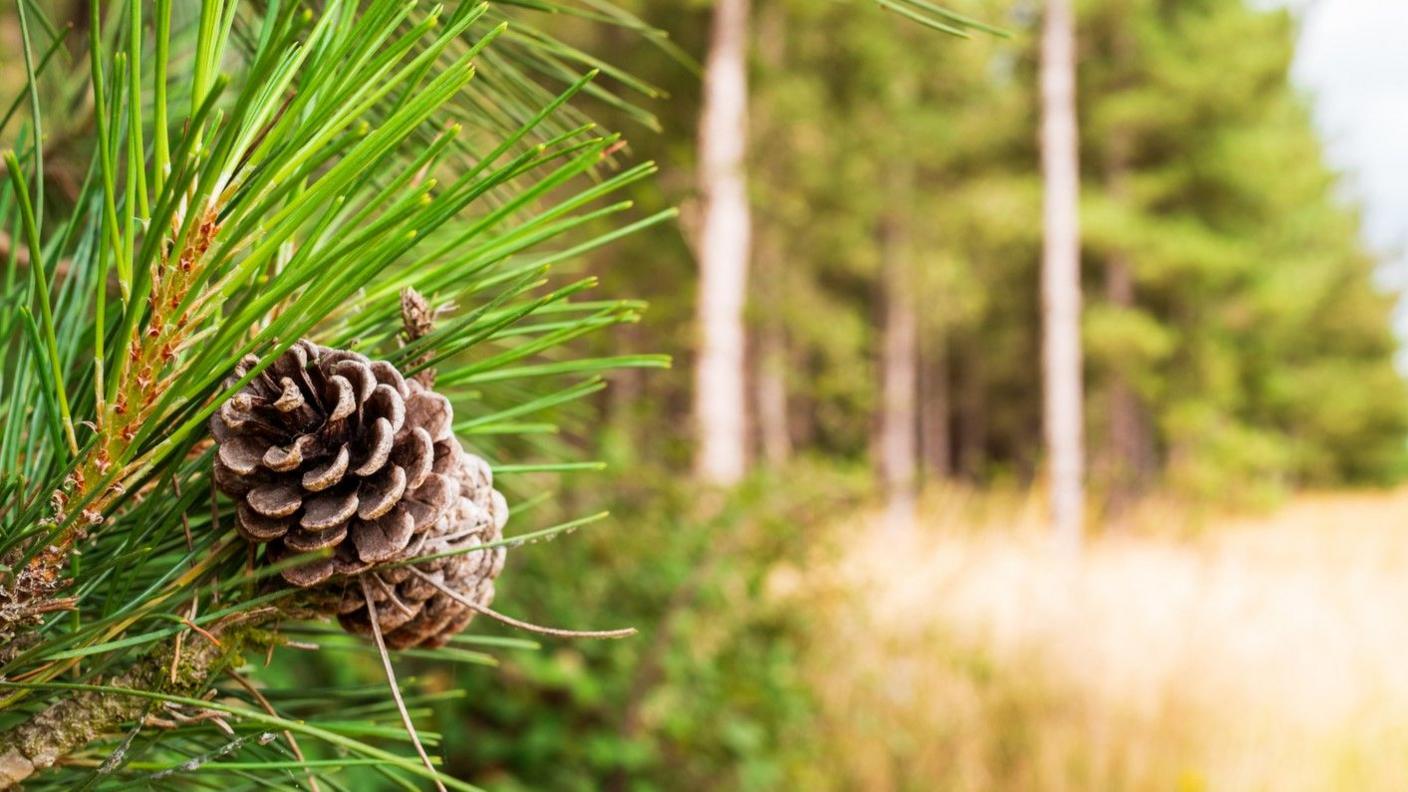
(411, 610)
(327, 449)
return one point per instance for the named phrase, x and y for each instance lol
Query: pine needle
(395, 688)
(509, 620)
(269, 708)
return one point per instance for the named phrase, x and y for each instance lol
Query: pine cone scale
(291, 397)
(383, 540)
(256, 527)
(282, 459)
(328, 509)
(311, 573)
(328, 474)
(276, 499)
(380, 494)
(359, 375)
(415, 454)
(378, 451)
(311, 541)
(386, 402)
(241, 454)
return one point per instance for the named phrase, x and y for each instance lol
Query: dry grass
(1268, 653)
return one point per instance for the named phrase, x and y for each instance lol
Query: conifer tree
(1241, 269)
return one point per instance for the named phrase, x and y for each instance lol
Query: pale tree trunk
(719, 387)
(1060, 275)
(899, 358)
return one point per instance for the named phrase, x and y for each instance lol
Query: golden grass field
(1266, 653)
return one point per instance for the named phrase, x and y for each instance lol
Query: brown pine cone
(328, 449)
(411, 610)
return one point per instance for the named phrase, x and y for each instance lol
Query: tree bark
(77, 719)
(972, 413)
(770, 386)
(1060, 276)
(935, 437)
(1128, 443)
(899, 358)
(774, 432)
(1128, 452)
(724, 238)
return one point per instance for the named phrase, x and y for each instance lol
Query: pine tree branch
(98, 479)
(76, 720)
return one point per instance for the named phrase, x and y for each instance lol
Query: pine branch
(321, 168)
(73, 721)
(96, 481)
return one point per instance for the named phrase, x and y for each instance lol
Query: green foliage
(313, 160)
(216, 181)
(240, 176)
(1256, 342)
(709, 693)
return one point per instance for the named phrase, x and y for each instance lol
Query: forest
(690, 394)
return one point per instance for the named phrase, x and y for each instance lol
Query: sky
(1352, 59)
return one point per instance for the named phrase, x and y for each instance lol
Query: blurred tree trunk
(899, 355)
(719, 387)
(935, 438)
(774, 431)
(770, 394)
(1060, 275)
(972, 412)
(1129, 444)
(770, 397)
